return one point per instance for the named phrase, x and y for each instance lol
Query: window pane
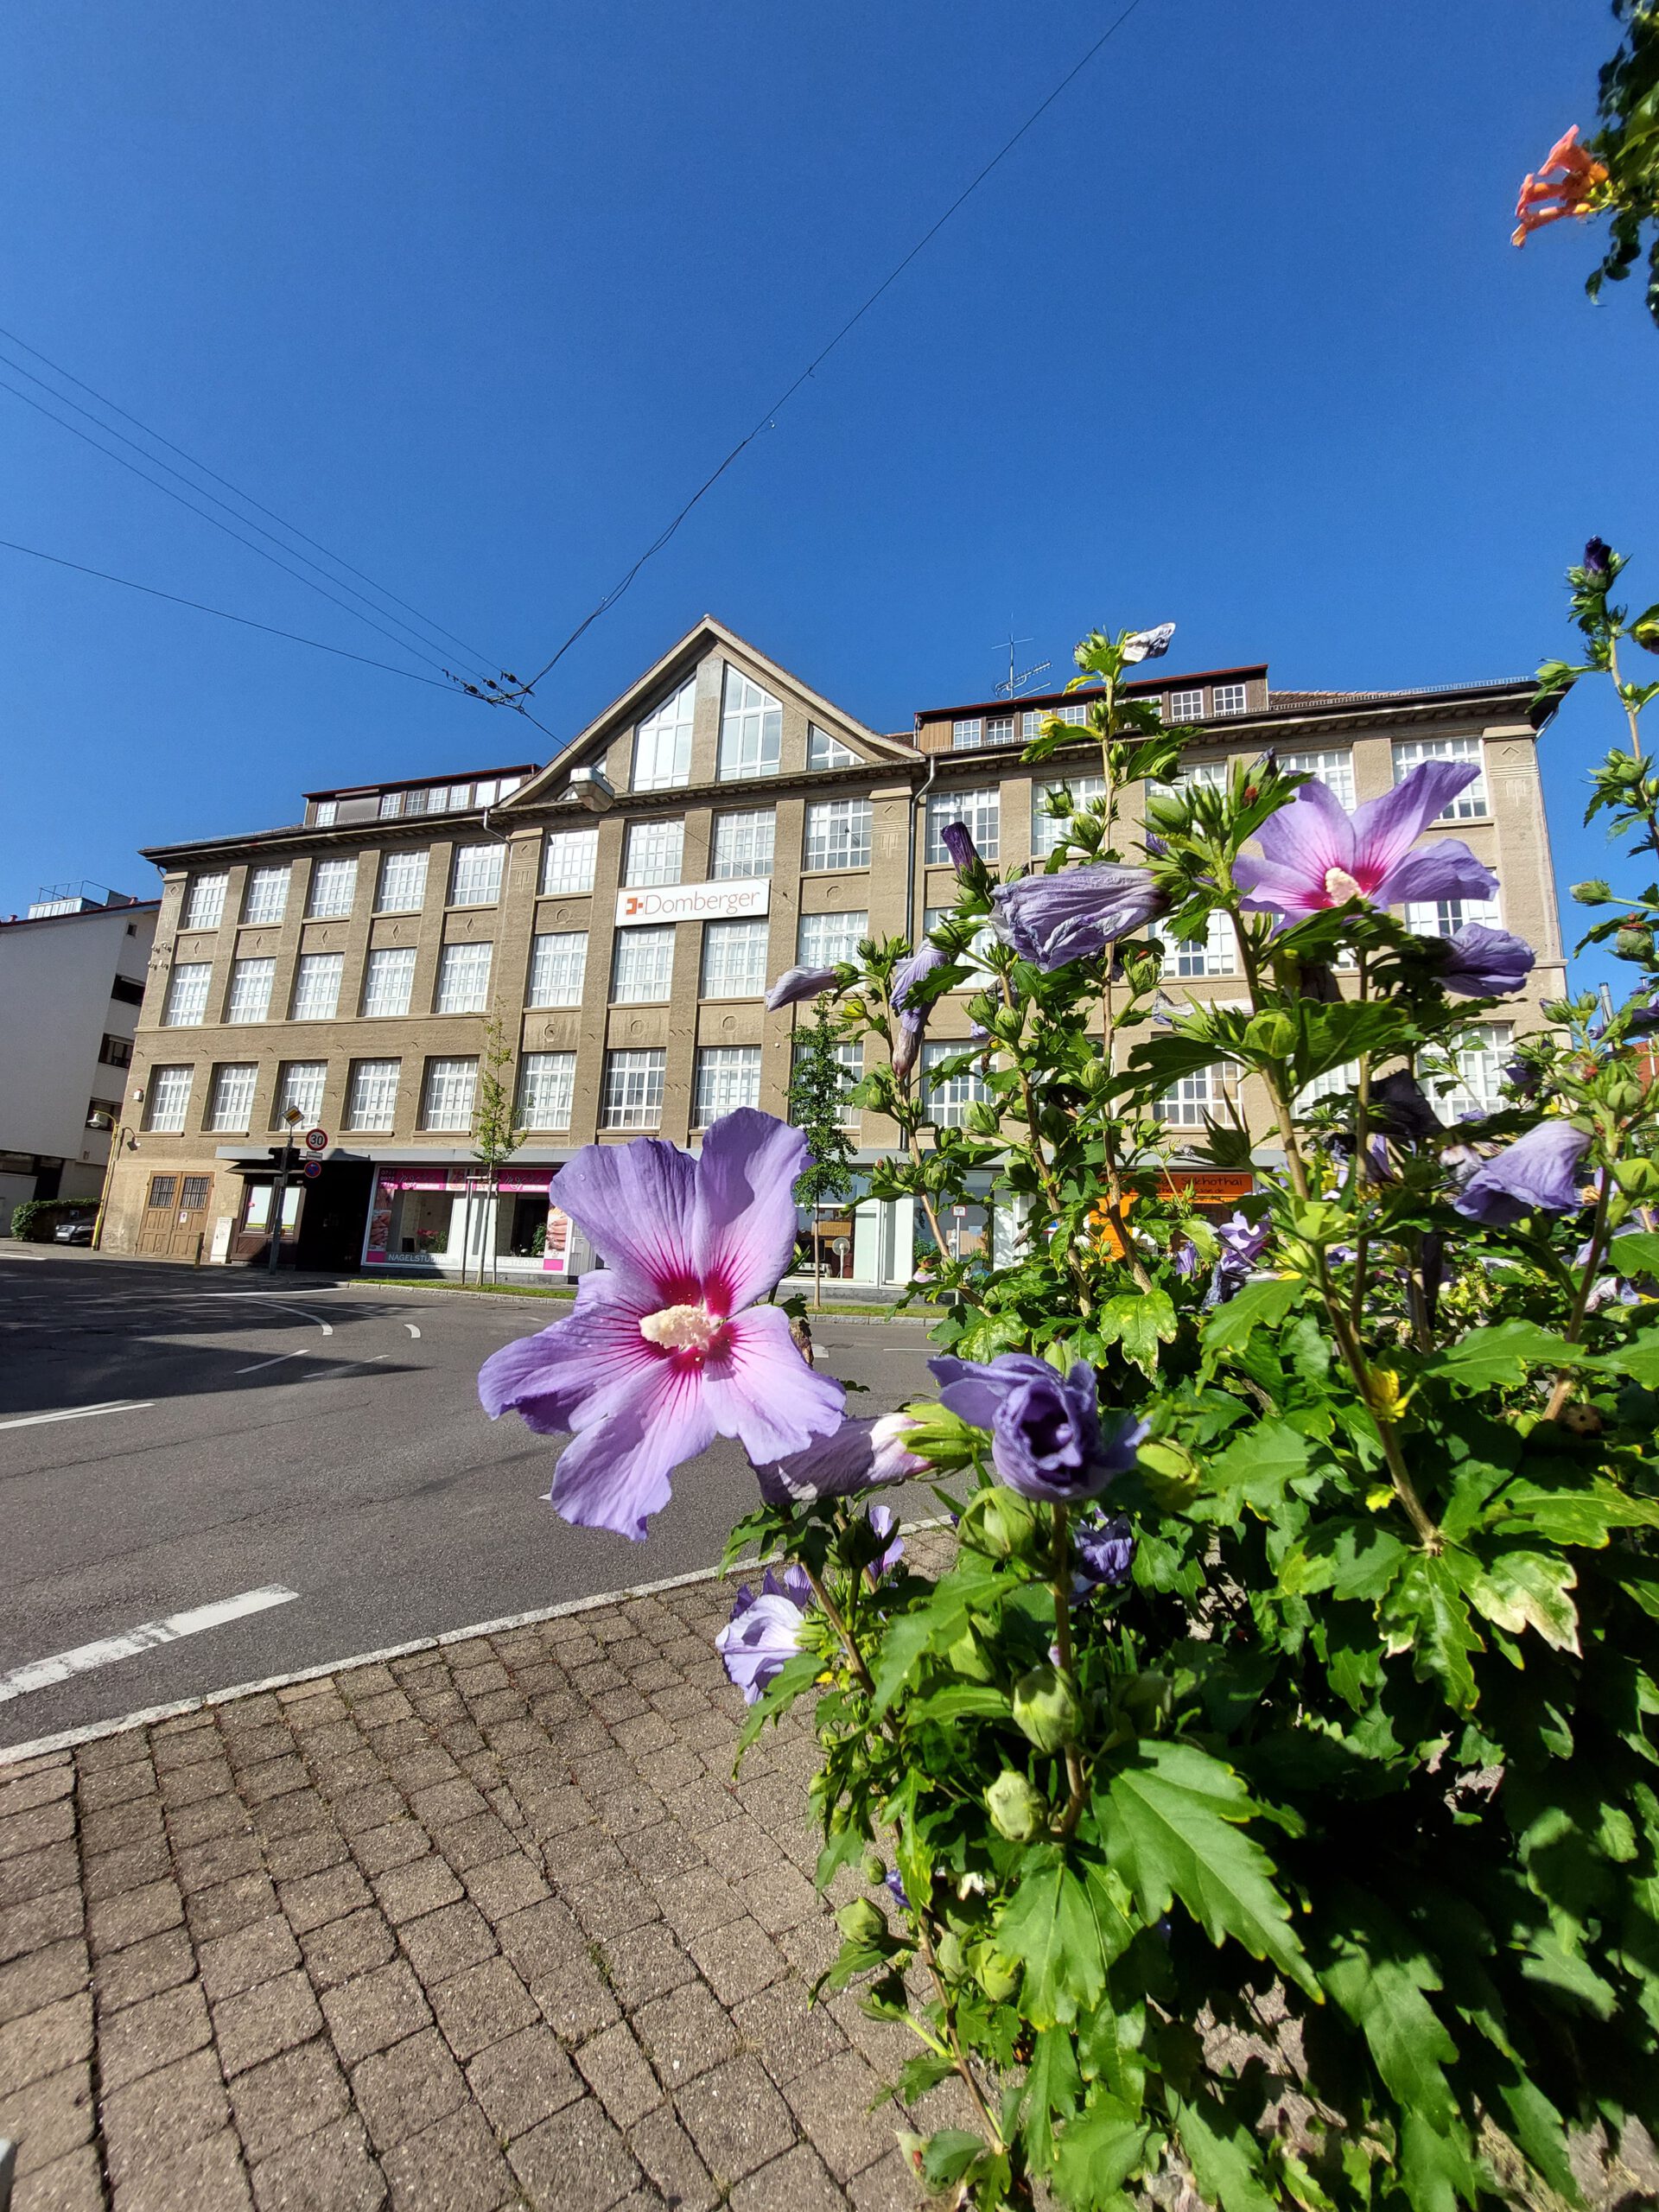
(948, 1099)
(390, 978)
(633, 1090)
(162, 1188)
(823, 939)
(751, 729)
(371, 1094)
(979, 809)
(568, 860)
(230, 1111)
(250, 991)
(392, 805)
(1047, 829)
(1480, 1074)
(558, 967)
(1469, 805)
(735, 960)
(1335, 769)
(968, 734)
(1185, 707)
(448, 1102)
(187, 995)
(1201, 775)
(1230, 698)
(654, 853)
(850, 1055)
(326, 810)
(477, 877)
(1446, 917)
(464, 979)
(547, 1085)
(1214, 954)
(743, 845)
(983, 940)
(316, 986)
(403, 883)
(1185, 1104)
(267, 897)
(999, 729)
(823, 751)
(644, 966)
(205, 908)
(661, 743)
(167, 1097)
(333, 887)
(728, 1076)
(300, 1083)
(838, 833)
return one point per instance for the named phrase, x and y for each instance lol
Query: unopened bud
(1046, 1708)
(1000, 1522)
(1017, 1812)
(860, 1921)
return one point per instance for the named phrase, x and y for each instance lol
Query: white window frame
(323, 904)
(204, 909)
(1333, 767)
(744, 846)
(653, 853)
(1480, 1072)
(1203, 1093)
(547, 1092)
(822, 940)
(327, 812)
(449, 1093)
(1473, 804)
(396, 961)
(735, 960)
(265, 900)
(840, 833)
(1215, 954)
(727, 1078)
(569, 860)
(167, 1098)
(250, 1003)
(632, 1094)
(968, 734)
(475, 874)
(187, 995)
(1201, 775)
(983, 977)
(371, 1094)
(464, 976)
(317, 978)
(751, 729)
(558, 967)
(1446, 917)
(661, 742)
(981, 809)
(402, 886)
(642, 966)
(947, 1102)
(392, 805)
(823, 751)
(999, 729)
(1231, 699)
(1187, 706)
(302, 1083)
(230, 1102)
(1047, 829)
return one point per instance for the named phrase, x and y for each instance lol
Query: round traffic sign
(311, 1170)
(316, 1140)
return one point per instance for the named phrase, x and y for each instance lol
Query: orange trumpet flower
(1567, 184)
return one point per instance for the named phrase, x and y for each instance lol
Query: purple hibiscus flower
(859, 1455)
(1644, 1019)
(911, 1019)
(1539, 1170)
(1050, 919)
(765, 1632)
(666, 1348)
(1149, 644)
(1102, 1553)
(797, 983)
(1047, 1440)
(1242, 1245)
(1316, 855)
(885, 1522)
(1399, 1108)
(958, 840)
(1484, 963)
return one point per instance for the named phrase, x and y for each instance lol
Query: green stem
(1564, 1380)
(1060, 1567)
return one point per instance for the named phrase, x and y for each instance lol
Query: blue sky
(477, 294)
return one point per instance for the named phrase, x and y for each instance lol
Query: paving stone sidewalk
(490, 1925)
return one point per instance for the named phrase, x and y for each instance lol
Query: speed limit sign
(316, 1140)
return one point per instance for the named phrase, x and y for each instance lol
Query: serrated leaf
(1582, 1517)
(948, 2155)
(1378, 1974)
(1519, 1589)
(1260, 1461)
(1225, 2156)
(1425, 1613)
(1350, 1558)
(922, 2073)
(1140, 1323)
(1102, 2149)
(1259, 1304)
(1065, 1929)
(1487, 1358)
(1051, 2088)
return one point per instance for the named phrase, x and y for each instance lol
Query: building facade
(72, 971)
(614, 918)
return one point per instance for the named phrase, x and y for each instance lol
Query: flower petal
(1386, 829)
(759, 1390)
(1310, 835)
(549, 1378)
(1275, 887)
(853, 1457)
(1443, 868)
(743, 1226)
(616, 1473)
(633, 1202)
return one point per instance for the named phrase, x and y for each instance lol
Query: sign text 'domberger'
(694, 902)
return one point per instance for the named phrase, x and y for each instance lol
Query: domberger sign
(694, 902)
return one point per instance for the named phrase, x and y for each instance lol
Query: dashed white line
(410, 1326)
(277, 1362)
(40, 1674)
(80, 1412)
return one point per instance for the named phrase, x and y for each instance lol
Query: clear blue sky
(477, 294)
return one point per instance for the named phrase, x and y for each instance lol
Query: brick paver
(485, 1927)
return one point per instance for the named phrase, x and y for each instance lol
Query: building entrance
(334, 1216)
(174, 1225)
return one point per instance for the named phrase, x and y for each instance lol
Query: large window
(1230, 698)
(823, 751)
(300, 1083)
(1032, 721)
(979, 809)
(1201, 775)
(464, 979)
(316, 986)
(167, 1097)
(1446, 917)
(1469, 805)
(751, 729)
(743, 845)
(267, 895)
(850, 1057)
(1187, 1103)
(205, 908)
(402, 882)
(1334, 769)
(187, 995)
(837, 833)
(333, 887)
(547, 1090)
(728, 1076)
(661, 743)
(389, 980)
(1480, 1073)
(642, 969)
(823, 939)
(968, 734)
(1047, 829)
(371, 1094)
(568, 859)
(1187, 706)
(251, 981)
(632, 1097)
(735, 960)
(1216, 953)
(655, 853)
(948, 1097)
(558, 967)
(984, 977)
(475, 880)
(230, 1106)
(999, 729)
(447, 1096)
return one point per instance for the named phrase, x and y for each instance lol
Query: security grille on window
(547, 1090)
(230, 1108)
(999, 729)
(568, 860)
(979, 809)
(642, 972)
(333, 887)
(169, 1097)
(187, 995)
(1201, 775)
(1480, 1073)
(633, 1096)
(823, 939)
(850, 1059)
(1446, 917)
(655, 853)
(389, 980)
(558, 967)
(1048, 829)
(823, 751)
(968, 734)
(735, 960)
(267, 895)
(1230, 698)
(838, 833)
(371, 1094)
(728, 1076)
(205, 908)
(193, 1192)
(476, 879)
(751, 729)
(162, 1190)
(949, 1097)
(661, 743)
(1469, 805)
(979, 945)
(743, 845)
(1335, 769)
(1214, 954)
(300, 1085)
(250, 982)
(1185, 1104)
(316, 986)
(446, 1100)
(464, 979)
(403, 883)
(1185, 706)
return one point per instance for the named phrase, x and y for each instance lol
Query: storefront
(449, 1221)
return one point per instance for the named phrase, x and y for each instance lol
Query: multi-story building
(71, 979)
(622, 911)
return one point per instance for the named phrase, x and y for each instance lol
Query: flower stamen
(682, 1328)
(1339, 885)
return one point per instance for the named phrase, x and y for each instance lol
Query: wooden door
(174, 1216)
(189, 1236)
(156, 1223)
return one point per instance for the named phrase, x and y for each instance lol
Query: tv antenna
(1019, 678)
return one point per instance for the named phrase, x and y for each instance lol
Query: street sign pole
(279, 1191)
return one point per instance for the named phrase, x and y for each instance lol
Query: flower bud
(998, 1977)
(1634, 944)
(1000, 1522)
(860, 1921)
(874, 1868)
(1593, 892)
(1046, 1708)
(1017, 1812)
(947, 1951)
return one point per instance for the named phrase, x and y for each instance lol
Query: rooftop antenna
(1017, 681)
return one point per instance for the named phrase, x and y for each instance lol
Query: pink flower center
(1340, 885)
(683, 1328)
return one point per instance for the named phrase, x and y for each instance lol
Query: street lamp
(118, 1132)
(293, 1118)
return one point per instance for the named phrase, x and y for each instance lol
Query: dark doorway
(333, 1217)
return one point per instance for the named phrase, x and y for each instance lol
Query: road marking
(80, 1412)
(410, 1326)
(35, 1256)
(327, 1327)
(40, 1673)
(277, 1362)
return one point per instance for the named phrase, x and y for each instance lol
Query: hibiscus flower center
(682, 1328)
(1340, 885)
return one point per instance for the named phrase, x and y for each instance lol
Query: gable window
(568, 860)
(300, 1084)
(230, 1107)
(205, 908)
(547, 1090)
(1230, 698)
(325, 813)
(1048, 829)
(267, 895)
(981, 810)
(464, 979)
(743, 845)
(251, 981)
(642, 970)
(168, 1098)
(967, 733)
(1185, 706)
(1032, 721)
(388, 980)
(316, 986)
(402, 882)
(662, 742)
(734, 960)
(751, 729)
(1470, 805)
(823, 751)
(447, 1096)
(999, 729)
(371, 1094)
(728, 1076)
(838, 833)
(187, 995)
(655, 855)
(333, 885)
(1334, 769)
(632, 1096)
(825, 939)
(476, 879)
(558, 967)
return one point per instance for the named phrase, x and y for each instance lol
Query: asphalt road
(325, 1438)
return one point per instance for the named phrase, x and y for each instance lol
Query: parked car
(72, 1232)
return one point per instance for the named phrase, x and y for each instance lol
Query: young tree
(495, 1136)
(816, 1091)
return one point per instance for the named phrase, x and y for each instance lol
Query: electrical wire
(766, 423)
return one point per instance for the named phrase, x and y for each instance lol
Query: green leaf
(948, 2155)
(1065, 1932)
(1260, 1461)
(1377, 1975)
(1577, 1516)
(1425, 1613)
(924, 2072)
(1436, 2167)
(1139, 1322)
(1101, 2150)
(1051, 2088)
(1487, 1358)
(1640, 1360)
(1350, 1558)
(1635, 1252)
(960, 1701)
(1262, 1304)
(1518, 1589)
(1225, 2156)
(1171, 1820)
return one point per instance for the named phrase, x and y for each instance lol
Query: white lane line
(410, 1326)
(281, 1357)
(37, 1257)
(40, 1673)
(327, 1327)
(80, 1412)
